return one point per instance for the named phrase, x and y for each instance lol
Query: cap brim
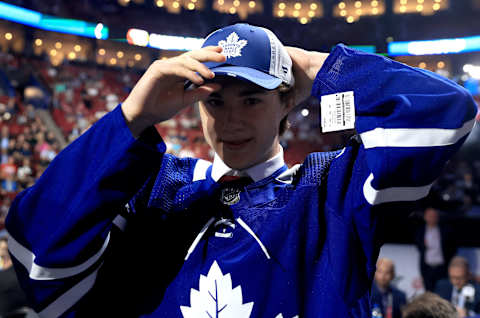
(262, 79)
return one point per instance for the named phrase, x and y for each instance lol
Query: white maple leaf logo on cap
(216, 298)
(232, 47)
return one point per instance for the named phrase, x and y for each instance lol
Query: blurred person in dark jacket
(387, 297)
(12, 298)
(435, 244)
(460, 289)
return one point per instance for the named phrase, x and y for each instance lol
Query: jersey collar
(257, 172)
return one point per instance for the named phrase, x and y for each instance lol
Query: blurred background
(64, 64)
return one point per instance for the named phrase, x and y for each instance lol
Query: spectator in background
(8, 169)
(385, 296)
(4, 137)
(459, 289)
(435, 244)
(8, 185)
(429, 305)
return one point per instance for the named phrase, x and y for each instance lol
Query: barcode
(339, 109)
(348, 110)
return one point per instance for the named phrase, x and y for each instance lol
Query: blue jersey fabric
(116, 227)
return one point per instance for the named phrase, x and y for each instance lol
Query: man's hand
(306, 65)
(160, 93)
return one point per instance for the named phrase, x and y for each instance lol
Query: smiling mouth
(236, 144)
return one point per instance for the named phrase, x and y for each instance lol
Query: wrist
(135, 123)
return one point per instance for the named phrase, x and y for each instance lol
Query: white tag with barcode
(337, 112)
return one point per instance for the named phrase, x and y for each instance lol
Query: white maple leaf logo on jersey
(216, 298)
(232, 47)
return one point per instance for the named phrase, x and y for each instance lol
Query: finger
(198, 67)
(185, 73)
(200, 93)
(208, 55)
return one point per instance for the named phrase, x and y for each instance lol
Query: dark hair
(429, 305)
(285, 92)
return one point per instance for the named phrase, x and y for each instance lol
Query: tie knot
(235, 180)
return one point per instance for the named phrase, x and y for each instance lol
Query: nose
(232, 116)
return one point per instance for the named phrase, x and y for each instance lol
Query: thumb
(200, 93)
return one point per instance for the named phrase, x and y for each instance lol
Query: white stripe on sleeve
(394, 194)
(27, 258)
(70, 298)
(414, 137)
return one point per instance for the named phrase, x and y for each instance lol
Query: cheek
(207, 124)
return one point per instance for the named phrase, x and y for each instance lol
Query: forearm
(63, 221)
(410, 121)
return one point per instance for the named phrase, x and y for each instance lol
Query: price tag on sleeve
(337, 112)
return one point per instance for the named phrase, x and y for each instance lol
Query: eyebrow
(247, 92)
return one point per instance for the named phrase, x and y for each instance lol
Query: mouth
(236, 144)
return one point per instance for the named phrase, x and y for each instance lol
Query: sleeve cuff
(149, 137)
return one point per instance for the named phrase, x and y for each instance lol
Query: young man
(277, 242)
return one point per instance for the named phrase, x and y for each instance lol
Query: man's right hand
(160, 93)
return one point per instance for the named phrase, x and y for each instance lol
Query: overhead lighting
(313, 6)
(236, 3)
(138, 57)
(358, 4)
(298, 6)
(422, 65)
(303, 20)
(341, 5)
(232, 10)
(113, 61)
(120, 54)
(77, 48)
(296, 14)
(72, 55)
(281, 5)
(8, 36)
(38, 42)
(280, 13)
(53, 52)
(191, 6)
(311, 14)
(58, 45)
(305, 112)
(159, 3)
(441, 64)
(251, 4)
(175, 4)
(101, 52)
(350, 19)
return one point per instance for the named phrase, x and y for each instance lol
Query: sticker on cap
(232, 47)
(337, 112)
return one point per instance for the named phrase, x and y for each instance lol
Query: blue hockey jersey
(117, 228)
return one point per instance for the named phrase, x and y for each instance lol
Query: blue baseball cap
(253, 54)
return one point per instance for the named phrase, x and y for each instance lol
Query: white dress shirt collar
(257, 172)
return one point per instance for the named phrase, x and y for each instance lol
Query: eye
(252, 101)
(213, 102)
